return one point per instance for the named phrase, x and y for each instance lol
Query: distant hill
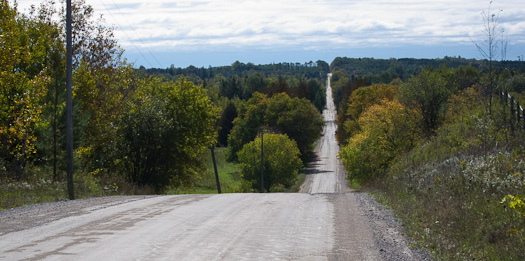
(307, 70)
(376, 70)
(383, 70)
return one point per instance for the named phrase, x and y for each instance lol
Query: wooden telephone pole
(212, 148)
(69, 102)
(262, 162)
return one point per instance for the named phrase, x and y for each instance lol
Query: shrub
(281, 162)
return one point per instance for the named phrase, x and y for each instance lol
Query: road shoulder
(25, 217)
(382, 237)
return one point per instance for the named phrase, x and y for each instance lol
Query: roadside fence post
(518, 114)
(523, 112)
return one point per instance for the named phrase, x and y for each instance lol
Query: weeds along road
(327, 221)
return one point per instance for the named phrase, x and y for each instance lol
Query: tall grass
(450, 197)
(229, 176)
(38, 187)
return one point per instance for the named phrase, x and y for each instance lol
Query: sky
(161, 33)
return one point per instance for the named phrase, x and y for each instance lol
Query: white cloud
(303, 24)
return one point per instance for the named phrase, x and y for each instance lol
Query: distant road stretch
(326, 173)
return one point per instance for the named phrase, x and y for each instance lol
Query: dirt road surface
(327, 221)
(326, 173)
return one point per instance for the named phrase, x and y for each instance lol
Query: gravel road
(326, 173)
(327, 221)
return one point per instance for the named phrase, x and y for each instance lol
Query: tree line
(308, 70)
(387, 70)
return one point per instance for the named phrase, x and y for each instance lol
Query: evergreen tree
(226, 123)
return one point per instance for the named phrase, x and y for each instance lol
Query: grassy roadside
(229, 176)
(42, 188)
(454, 205)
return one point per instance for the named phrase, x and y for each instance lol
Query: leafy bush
(516, 203)
(281, 162)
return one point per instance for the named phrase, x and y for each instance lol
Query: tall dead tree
(488, 48)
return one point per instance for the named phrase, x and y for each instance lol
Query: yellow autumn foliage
(387, 130)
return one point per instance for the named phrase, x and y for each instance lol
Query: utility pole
(69, 102)
(215, 168)
(262, 162)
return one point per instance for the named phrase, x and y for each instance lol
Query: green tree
(298, 118)
(301, 90)
(358, 102)
(279, 85)
(254, 82)
(102, 83)
(246, 125)
(324, 68)
(100, 99)
(317, 94)
(51, 133)
(427, 94)
(226, 123)
(464, 77)
(281, 161)
(163, 131)
(23, 83)
(338, 83)
(231, 87)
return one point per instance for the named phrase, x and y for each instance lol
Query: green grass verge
(43, 189)
(229, 176)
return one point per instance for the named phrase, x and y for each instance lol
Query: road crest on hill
(327, 221)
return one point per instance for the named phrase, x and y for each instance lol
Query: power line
(129, 38)
(140, 52)
(133, 29)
